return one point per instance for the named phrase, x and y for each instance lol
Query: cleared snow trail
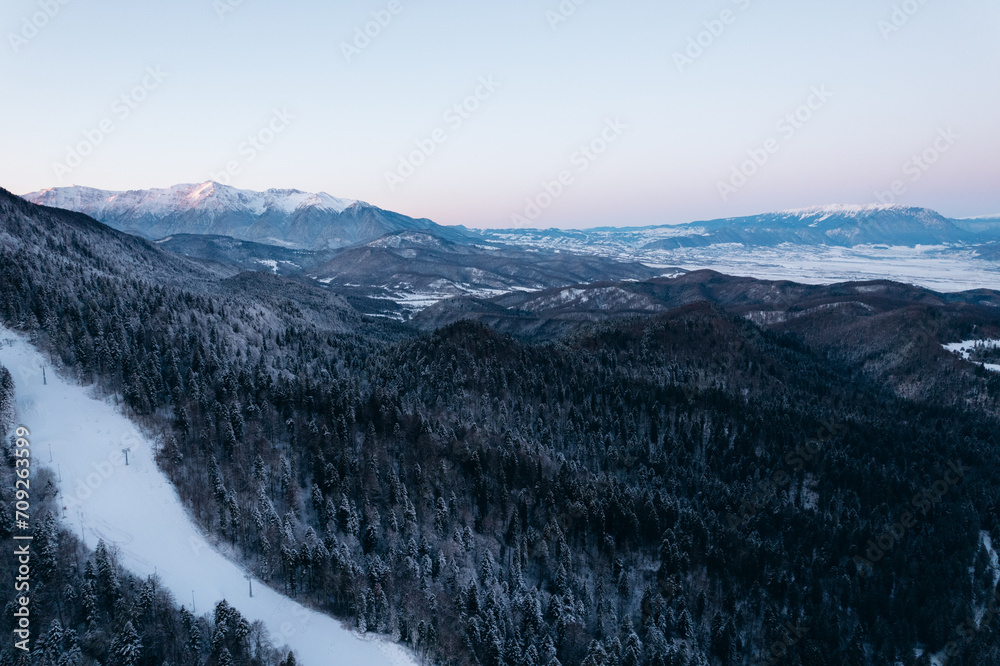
(136, 508)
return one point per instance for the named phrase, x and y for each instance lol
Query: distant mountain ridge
(342, 242)
(245, 255)
(554, 313)
(413, 268)
(318, 221)
(844, 225)
(835, 225)
(420, 266)
(988, 224)
(391, 259)
(289, 218)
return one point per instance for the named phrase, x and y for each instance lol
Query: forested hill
(689, 487)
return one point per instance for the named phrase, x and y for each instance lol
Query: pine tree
(126, 647)
(685, 627)
(596, 655)
(632, 652)
(225, 658)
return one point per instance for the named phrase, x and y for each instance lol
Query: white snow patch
(281, 243)
(966, 347)
(987, 542)
(270, 263)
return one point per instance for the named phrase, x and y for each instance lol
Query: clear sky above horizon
(667, 121)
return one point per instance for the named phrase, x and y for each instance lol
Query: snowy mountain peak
(853, 210)
(282, 217)
(210, 197)
(866, 214)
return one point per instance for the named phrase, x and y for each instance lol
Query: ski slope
(136, 508)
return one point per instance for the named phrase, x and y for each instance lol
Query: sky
(542, 113)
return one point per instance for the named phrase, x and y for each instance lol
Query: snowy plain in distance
(136, 510)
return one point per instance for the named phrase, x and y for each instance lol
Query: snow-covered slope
(288, 218)
(136, 508)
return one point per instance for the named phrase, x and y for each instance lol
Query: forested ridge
(492, 501)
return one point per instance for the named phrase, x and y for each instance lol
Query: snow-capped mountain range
(819, 244)
(303, 220)
(208, 197)
(837, 225)
(287, 218)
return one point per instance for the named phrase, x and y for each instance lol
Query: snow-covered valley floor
(137, 509)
